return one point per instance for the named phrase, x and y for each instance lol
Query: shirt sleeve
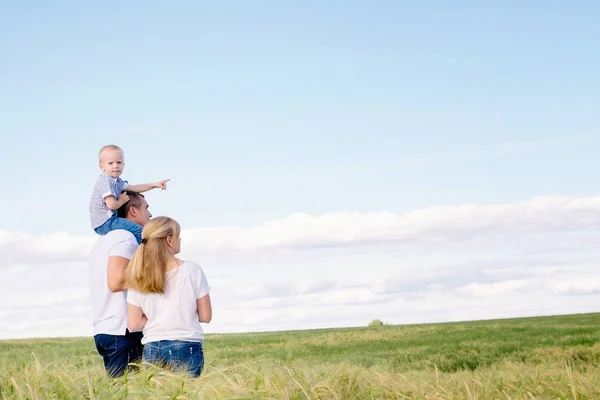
(125, 185)
(133, 298)
(104, 187)
(201, 283)
(125, 247)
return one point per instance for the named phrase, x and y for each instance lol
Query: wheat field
(527, 358)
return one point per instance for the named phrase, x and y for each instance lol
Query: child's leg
(120, 223)
(105, 227)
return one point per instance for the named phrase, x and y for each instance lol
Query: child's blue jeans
(120, 223)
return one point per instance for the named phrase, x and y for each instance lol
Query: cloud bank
(342, 269)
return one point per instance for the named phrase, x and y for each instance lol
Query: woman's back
(167, 298)
(173, 315)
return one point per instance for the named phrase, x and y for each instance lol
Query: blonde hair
(145, 272)
(108, 147)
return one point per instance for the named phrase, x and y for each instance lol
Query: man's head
(136, 209)
(111, 160)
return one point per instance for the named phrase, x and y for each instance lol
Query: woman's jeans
(176, 354)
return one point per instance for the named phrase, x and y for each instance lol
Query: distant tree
(376, 322)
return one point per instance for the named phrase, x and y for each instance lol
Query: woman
(168, 298)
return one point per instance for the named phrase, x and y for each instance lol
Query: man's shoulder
(119, 235)
(116, 236)
(118, 242)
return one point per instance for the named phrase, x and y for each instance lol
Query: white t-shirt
(109, 309)
(173, 315)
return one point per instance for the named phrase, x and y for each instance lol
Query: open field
(542, 358)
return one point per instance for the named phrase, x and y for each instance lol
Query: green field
(527, 358)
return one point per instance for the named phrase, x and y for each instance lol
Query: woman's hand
(136, 319)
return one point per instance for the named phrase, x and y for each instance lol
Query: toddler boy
(109, 195)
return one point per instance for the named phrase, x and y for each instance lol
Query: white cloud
(47, 297)
(57, 247)
(578, 286)
(341, 269)
(490, 289)
(300, 232)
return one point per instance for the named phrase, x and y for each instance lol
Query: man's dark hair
(135, 200)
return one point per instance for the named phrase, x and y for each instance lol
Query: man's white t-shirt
(109, 309)
(173, 315)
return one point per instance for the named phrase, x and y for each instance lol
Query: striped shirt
(105, 185)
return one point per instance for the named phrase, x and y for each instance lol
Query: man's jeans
(118, 351)
(176, 355)
(120, 223)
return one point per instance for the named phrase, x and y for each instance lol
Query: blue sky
(260, 110)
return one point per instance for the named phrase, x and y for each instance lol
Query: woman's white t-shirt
(173, 315)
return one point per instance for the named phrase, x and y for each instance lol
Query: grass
(528, 358)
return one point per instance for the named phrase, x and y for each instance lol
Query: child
(109, 195)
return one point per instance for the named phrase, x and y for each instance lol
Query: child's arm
(114, 204)
(144, 187)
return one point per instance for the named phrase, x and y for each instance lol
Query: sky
(331, 163)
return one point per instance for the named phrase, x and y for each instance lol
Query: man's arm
(144, 187)
(115, 275)
(136, 319)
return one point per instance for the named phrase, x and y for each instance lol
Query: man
(109, 258)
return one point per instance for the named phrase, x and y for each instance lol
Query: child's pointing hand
(162, 184)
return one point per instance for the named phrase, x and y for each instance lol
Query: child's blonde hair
(146, 270)
(108, 147)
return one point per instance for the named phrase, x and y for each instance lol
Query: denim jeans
(176, 354)
(120, 223)
(118, 351)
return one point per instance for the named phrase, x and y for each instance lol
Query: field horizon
(524, 357)
(366, 325)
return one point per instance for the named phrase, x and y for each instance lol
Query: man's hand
(123, 198)
(162, 184)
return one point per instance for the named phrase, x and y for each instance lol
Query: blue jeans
(176, 354)
(120, 223)
(118, 351)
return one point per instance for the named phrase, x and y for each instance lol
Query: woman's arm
(136, 319)
(204, 309)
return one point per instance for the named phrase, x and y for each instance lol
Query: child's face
(112, 163)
